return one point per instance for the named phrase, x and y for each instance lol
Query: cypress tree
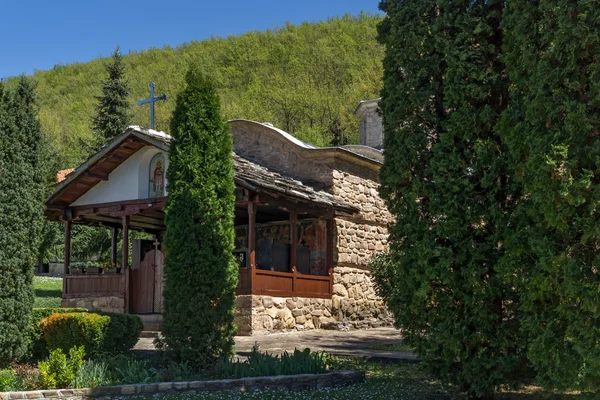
(551, 129)
(22, 179)
(200, 272)
(113, 109)
(445, 181)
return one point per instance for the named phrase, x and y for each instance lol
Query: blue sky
(37, 35)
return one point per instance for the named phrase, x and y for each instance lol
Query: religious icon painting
(157, 176)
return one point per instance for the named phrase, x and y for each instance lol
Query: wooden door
(147, 283)
(159, 263)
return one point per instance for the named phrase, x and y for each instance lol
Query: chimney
(371, 126)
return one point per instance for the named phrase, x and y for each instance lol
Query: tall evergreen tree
(113, 112)
(551, 129)
(200, 272)
(445, 181)
(22, 179)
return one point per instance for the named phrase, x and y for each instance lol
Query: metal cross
(152, 100)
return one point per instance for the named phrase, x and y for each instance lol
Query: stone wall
(357, 238)
(371, 126)
(259, 314)
(355, 303)
(275, 149)
(357, 242)
(354, 306)
(363, 193)
(106, 304)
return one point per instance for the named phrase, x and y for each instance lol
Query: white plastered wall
(129, 181)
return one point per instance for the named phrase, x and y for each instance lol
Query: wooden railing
(284, 284)
(93, 285)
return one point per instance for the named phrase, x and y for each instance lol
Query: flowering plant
(108, 265)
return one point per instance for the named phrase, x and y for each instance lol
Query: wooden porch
(282, 281)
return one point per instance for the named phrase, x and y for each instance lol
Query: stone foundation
(353, 306)
(106, 304)
(355, 303)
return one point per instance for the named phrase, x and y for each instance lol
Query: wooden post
(125, 262)
(251, 241)
(329, 255)
(113, 256)
(67, 255)
(293, 244)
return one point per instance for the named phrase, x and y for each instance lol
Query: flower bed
(287, 383)
(62, 371)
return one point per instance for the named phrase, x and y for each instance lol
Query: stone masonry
(352, 179)
(105, 304)
(371, 126)
(257, 313)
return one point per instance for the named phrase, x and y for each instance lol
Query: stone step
(150, 334)
(152, 327)
(151, 318)
(152, 322)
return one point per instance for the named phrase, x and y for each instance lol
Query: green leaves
(556, 149)
(113, 113)
(23, 174)
(491, 162)
(200, 272)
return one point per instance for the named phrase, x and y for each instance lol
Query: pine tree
(200, 272)
(113, 108)
(446, 183)
(22, 179)
(551, 129)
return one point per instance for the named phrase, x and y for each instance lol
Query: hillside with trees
(306, 79)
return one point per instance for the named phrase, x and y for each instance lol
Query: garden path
(353, 343)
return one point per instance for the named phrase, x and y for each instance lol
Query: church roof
(248, 174)
(62, 174)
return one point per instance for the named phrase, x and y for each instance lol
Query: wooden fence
(93, 285)
(284, 284)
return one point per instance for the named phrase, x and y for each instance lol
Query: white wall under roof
(129, 181)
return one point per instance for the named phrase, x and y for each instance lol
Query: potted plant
(94, 267)
(109, 267)
(77, 268)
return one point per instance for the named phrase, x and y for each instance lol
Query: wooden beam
(125, 261)
(67, 255)
(112, 221)
(149, 220)
(293, 243)
(113, 248)
(329, 251)
(137, 208)
(94, 175)
(251, 240)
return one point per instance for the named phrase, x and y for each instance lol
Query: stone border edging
(281, 382)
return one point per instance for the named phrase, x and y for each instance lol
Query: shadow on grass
(48, 293)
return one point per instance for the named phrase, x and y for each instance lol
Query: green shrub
(198, 318)
(91, 374)
(8, 380)
(24, 169)
(60, 371)
(123, 332)
(265, 364)
(135, 371)
(110, 333)
(64, 331)
(26, 377)
(37, 344)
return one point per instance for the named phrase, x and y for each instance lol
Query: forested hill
(306, 79)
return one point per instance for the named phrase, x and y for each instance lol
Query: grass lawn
(392, 347)
(48, 291)
(384, 381)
